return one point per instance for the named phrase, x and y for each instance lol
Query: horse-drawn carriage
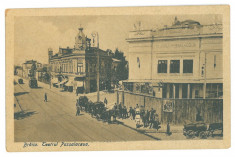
(83, 102)
(201, 130)
(104, 114)
(97, 110)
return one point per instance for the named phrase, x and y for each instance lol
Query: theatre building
(184, 60)
(76, 68)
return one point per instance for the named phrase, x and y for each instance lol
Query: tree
(121, 71)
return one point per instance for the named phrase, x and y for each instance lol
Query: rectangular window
(175, 66)
(188, 66)
(162, 66)
(79, 69)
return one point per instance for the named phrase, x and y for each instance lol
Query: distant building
(26, 67)
(184, 60)
(76, 68)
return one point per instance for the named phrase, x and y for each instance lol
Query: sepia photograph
(102, 78)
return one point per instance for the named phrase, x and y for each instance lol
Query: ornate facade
(76, 68)
(184, 60)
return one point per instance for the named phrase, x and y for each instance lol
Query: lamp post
(94, 35)
(98, 76)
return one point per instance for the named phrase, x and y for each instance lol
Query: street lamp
(95, 34)
(98, 76)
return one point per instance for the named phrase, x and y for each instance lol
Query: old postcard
(132, 78)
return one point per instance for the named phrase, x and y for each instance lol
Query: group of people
(149, 118)
(120, 110)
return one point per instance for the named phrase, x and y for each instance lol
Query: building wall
(144, 57)
(179, 49)
(184, 110)
(140, 60)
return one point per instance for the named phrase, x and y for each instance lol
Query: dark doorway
(93, 86)
(164, 91)
(176, 90)
(184, 90)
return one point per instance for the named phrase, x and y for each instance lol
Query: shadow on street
(20, 93)
(22, 114)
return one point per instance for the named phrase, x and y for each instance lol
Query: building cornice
(154, 38)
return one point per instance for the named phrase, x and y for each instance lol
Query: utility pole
(49, 70)
(98, 76)
(204, 86)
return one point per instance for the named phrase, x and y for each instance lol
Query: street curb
(148, 130)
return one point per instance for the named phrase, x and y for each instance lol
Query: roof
(186, 22)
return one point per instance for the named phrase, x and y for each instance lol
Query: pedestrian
(130, 112)
(77, 103)
(147, 118)
(105, 101)
(137, 106)
(144, 118)
(152, 118)
(78, 110)
(115, 106)
(125, 112)
(45, 97)
(168, 129)
(133, 113)
(77, 91)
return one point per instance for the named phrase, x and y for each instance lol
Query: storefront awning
(62, 82)
(69, 83)
(79, 83)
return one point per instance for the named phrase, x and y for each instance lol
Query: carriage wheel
(190, 134)
(202, 135)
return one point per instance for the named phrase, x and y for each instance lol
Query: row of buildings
(184, 60)
(78, 68)
(24, 70)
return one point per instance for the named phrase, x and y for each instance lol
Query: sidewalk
(111, 97)
(177, 131)
(132, 124)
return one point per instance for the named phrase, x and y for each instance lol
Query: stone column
(188, 94)
(174, 91)
(180, 91)
(204, 91)
(167, 90)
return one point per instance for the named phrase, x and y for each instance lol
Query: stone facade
(77, 67)
(181, 61)
(26, 67)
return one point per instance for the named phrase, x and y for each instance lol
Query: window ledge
(187, 74)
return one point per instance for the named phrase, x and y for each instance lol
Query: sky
(34, 35)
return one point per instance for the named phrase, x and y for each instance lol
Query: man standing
(45, 97)
(77, 91)
(105, 101)
(78, 110)
(152, 118)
